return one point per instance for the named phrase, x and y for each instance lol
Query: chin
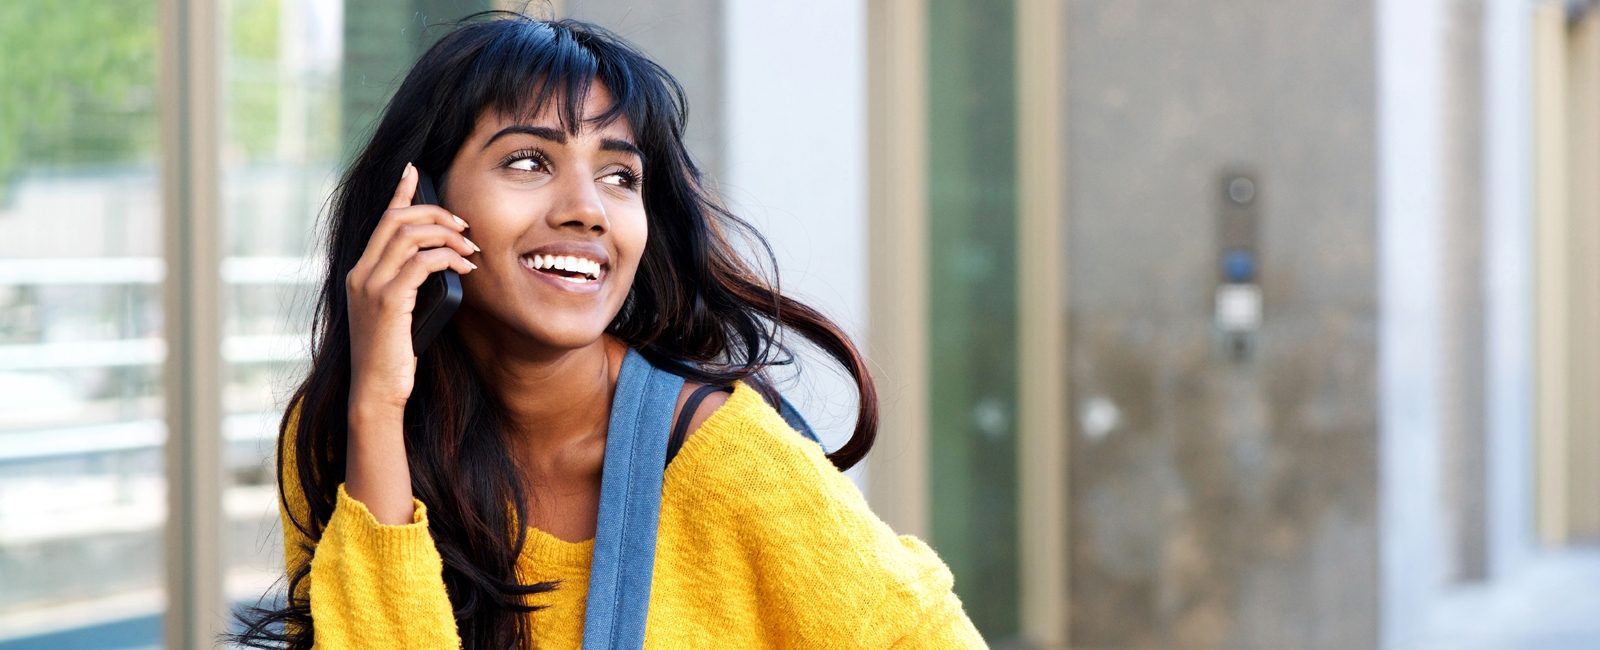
(545, 327)
(568, 342)
(566, 336)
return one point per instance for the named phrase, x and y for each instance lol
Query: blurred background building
(1233, 324)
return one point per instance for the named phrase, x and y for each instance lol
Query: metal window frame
(1568, 98)
(1549, 81)
(1566, 56)
(190, 142)
(1043, 390)
(1583, 160)
(897, 231)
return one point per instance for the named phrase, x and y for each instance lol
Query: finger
(409, 239)
(396, 218)
(406, 189)
(412, 239)
(427, 262)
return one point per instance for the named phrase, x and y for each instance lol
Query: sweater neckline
(545, 548)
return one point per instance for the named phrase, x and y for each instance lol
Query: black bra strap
(680, 429)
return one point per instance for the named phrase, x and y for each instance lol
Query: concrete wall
(1219, 503)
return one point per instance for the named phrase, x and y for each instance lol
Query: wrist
(367, 414)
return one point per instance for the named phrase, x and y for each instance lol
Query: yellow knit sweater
(762, 544)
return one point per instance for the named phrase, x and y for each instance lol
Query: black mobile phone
(440, 294)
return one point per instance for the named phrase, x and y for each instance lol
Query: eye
(527, 160)
(622, 178)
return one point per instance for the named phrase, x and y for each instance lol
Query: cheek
(630, 234)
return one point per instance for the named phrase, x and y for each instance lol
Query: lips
(570, 266)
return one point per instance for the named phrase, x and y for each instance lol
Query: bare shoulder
(708, 405)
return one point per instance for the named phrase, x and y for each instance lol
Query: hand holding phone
(440, 294)
(389, 306)
(412, 243)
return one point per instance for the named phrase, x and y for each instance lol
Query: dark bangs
(520, 65)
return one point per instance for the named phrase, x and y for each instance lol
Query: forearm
(376, 471)
(379, 586)
(371, 585)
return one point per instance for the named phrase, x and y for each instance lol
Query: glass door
(972, 295)
(82, 436)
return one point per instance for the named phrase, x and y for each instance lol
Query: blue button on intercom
(1239, 266)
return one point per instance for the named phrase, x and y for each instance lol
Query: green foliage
(77, 83)
(253, 84)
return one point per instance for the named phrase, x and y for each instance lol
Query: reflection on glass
(82, 493)
(280, 153)
(973, 306)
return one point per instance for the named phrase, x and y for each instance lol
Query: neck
(558, 402)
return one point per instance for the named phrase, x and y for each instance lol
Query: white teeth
(566, 263)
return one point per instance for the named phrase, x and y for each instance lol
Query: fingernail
(474, 246)
(469, 263)
(408, 168)
(461, 221)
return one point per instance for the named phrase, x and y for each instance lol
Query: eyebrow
(560, 137)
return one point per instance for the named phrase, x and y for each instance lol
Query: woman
(451, 500)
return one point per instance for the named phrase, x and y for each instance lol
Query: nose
(578, 206)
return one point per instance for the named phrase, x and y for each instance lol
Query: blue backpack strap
(792, 416)
(630, 505)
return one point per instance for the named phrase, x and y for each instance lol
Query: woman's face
(560, 220)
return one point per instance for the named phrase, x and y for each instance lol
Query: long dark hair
(696, 306)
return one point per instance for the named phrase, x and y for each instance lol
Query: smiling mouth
(574, 269)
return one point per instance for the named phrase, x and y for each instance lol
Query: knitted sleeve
(371, 585)
(832, 574)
